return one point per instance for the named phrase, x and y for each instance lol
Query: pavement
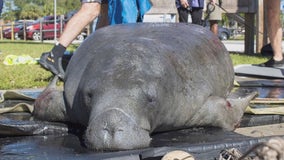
(238, 45)
(234, 45)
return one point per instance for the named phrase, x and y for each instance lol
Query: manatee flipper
(50, 105)
(221, 112)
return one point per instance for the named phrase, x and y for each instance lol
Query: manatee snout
(114, 129)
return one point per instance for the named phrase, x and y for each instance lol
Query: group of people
(120, 12)
(196, 9)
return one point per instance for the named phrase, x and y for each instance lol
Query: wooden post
(249, 33)
(1, 32)
(12, 31)
(261, 37)
(265, 34)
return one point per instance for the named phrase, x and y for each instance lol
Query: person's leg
(52, 60)
(214, 26)
(274, 29)
(1, 6)
(183, 14)
(215, 15)
(196, 16)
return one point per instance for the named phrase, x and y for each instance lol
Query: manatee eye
(151, 101)
(88, 98)
(149, 98)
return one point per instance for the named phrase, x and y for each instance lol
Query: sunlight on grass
(247, 59)
(23, 76)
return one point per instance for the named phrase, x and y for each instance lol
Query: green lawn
(23, 75)
(33, 76)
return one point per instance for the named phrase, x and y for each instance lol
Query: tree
(10, 16)
(31, 11)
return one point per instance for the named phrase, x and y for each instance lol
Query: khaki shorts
(216, 13)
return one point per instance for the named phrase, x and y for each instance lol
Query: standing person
(1, 6)
(274, 29)
(90, 9)
(214, 15)
(193, 7)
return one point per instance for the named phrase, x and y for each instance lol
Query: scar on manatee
(229, 104)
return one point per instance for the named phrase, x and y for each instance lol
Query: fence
(44, 28)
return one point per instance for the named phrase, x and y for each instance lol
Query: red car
(17, 29)
(34, 31)
(7, 33)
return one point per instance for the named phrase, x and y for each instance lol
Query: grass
(23, 76)
(33, 76)
(240, 58)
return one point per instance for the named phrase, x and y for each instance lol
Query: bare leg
(214, 27)
(274, 28)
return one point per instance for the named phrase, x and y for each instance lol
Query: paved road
(238, 46)
(234, 46)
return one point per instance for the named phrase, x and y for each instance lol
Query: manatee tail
(52, 83)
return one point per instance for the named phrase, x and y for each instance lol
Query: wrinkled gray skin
(128, 81)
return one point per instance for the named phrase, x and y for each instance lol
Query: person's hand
(213, 2)
(184, 3)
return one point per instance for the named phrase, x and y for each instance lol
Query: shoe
(272, 63)
(48, 62)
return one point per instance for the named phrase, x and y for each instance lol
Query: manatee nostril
(120, 130)
(150, 99)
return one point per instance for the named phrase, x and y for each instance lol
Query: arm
(184, 3)
(87, 13)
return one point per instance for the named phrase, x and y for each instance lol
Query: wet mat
(203, 143)
(69, 146)
(48, 136)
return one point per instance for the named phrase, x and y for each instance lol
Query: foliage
(33, 9)
(9, 15)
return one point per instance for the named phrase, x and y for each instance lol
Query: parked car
(44, 26)
(7, 33)
(47, 23)
(223, 33)
(18, 27)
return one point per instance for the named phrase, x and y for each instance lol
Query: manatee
(128, 81)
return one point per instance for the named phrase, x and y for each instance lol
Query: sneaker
(272, 63)
(48, 62)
